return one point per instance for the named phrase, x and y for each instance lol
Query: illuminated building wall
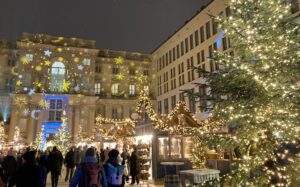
(57, 74)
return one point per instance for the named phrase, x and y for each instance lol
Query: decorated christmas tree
(255, 93)
(39, 142)
(2, 135)
(16, 138)
(63, 138)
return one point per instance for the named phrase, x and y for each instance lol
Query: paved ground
(62, 183)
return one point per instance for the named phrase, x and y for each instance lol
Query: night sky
(131, 25)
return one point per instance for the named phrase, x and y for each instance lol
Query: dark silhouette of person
(55, 165)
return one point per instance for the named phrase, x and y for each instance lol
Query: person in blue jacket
(89, 172)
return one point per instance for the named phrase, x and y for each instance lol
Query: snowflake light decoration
(47, 53)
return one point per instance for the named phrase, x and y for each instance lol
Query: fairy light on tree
(255, 92)
(63, 138)
(2, 135)
(16, 139)
(39, 142)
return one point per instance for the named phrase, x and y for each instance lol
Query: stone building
(57, 74)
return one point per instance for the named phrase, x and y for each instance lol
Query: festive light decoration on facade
(39, 142)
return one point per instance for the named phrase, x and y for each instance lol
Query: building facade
(190, 46)
(57, 74)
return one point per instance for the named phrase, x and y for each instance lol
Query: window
(166, 106)
(57, 76)
(163, 148)
(131, 71)
(182, 48)
(176, 151)
(170, 56)
(228, 11)
(215, 26)
(97, 88)
(85, 83)
(192, 104)
(167, 58)
(198, 58)
(224, 41)
(208, 34)
(98, 68)
(163, 61)
(177, 51)
(115, 89)
(191, 42)
(196, 38)
(186, 45)
(202, 56)
(294, 6)
(174, 54)
(114, 113)
(202, 38)
(181, 96)
(159, 107)
(115, 70)
(55, 109)
(146, 72)
(173, 101)
(131, 89)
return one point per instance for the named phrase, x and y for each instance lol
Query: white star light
(47, 53)
(26, 111)
(86, 61)
(31, 91)
(80, 67)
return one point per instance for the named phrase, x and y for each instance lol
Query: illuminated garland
(2, 134)
(114, 129)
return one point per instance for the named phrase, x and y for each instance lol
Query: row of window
(190, 68)
(199, 36)
(115, 70)
(191, 101)
(115, 89)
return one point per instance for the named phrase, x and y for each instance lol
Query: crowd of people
(85, 167)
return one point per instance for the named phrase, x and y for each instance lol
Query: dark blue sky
(132, 25)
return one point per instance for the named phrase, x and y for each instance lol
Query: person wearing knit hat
(89, 172)
(113, 169)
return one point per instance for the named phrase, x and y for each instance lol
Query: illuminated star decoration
(43, 104)
(86, 61)
(24, 60)
(119, 76)
(19, 83)
(47, 63)
(20, 101)
(26, 112)
(47, 53)
(80, 67)
(31, 92)
(66, 85)
(119, 60)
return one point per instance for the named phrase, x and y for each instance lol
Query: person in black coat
(55, 165)
(9, 165)
(134, 166)
(70, 163)
(28, 174)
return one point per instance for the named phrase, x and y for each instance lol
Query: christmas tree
(2, 135)
(63, 138)
(16, 138)
(39, 141)
(255, 93)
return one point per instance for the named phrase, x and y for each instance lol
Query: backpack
(114, 174)
(91, 175)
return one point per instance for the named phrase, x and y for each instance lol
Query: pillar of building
(108, 111)
(91, 121)
(77, 120)
(15, 115)
(71, 128)
(30, 129)
(39, 123)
